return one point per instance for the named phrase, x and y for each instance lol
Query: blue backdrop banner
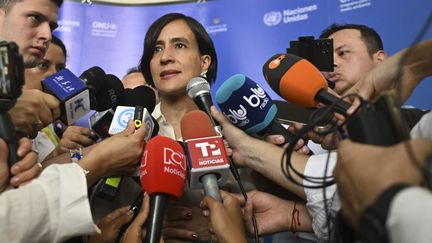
(246, 32)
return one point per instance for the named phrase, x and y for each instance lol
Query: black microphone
(199, 90)
(106, 90)
(137, 104)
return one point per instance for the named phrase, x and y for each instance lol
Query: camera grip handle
(7, 133)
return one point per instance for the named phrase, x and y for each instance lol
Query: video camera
(11, 74)
(379, 123)
(319, 52)
(11, 82)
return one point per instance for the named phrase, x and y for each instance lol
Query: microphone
(199, 90)
(208, 161)
(300, 82)
(106, 90)
(138, 104)
(111, 94)
(78, 96)
(249, 107)
(163, 176)
(100, 122)
(138, 107)
(72, 93)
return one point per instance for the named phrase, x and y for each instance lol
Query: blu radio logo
(254, 100)
(238, 116)
(125, 116)
(272, 18)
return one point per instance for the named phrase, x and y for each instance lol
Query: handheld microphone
(300, 82)
(72, 93)
(138, 107)
(163, 176)
(208, 161)
(100, 122)
(249, 107)
(106, 90)
(135, 100)
(199, 90)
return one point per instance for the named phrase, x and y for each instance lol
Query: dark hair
(56, 41)
(205, 44)
(133, 70)
(6, 5)
(368, 35)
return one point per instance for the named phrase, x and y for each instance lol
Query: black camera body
(317, 51)
(11, 74)
(11, 82)
(380, 123)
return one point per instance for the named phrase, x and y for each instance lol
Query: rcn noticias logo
(272, 18)
(174, 158)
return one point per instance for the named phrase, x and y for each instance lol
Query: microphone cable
(319, 117)
(236, 175)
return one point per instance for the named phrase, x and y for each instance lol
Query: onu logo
(238, 115)
(272, 18)
(204, 151)
(172, 157)
(254, 100)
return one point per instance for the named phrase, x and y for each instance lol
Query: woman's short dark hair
(56, 41)
(205, 44)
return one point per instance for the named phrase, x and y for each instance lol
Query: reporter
(119, 154)
(33, 111)
(274, 214)
(22, 171)
(73, 137)
(60, 192)
(265, 158)
(226, 220)
(390, 203)
(111, 224)
(384, 76)
(136, 232)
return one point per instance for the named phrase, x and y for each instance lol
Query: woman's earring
(203, 74)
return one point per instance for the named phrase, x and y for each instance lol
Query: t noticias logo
(211, 147)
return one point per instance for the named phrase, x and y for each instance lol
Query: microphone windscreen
(196, 124)
(245, 104)
(197, 86)
(94, 77)
(163, 167)
(141, 96)
(111, 94)
(295, 79)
